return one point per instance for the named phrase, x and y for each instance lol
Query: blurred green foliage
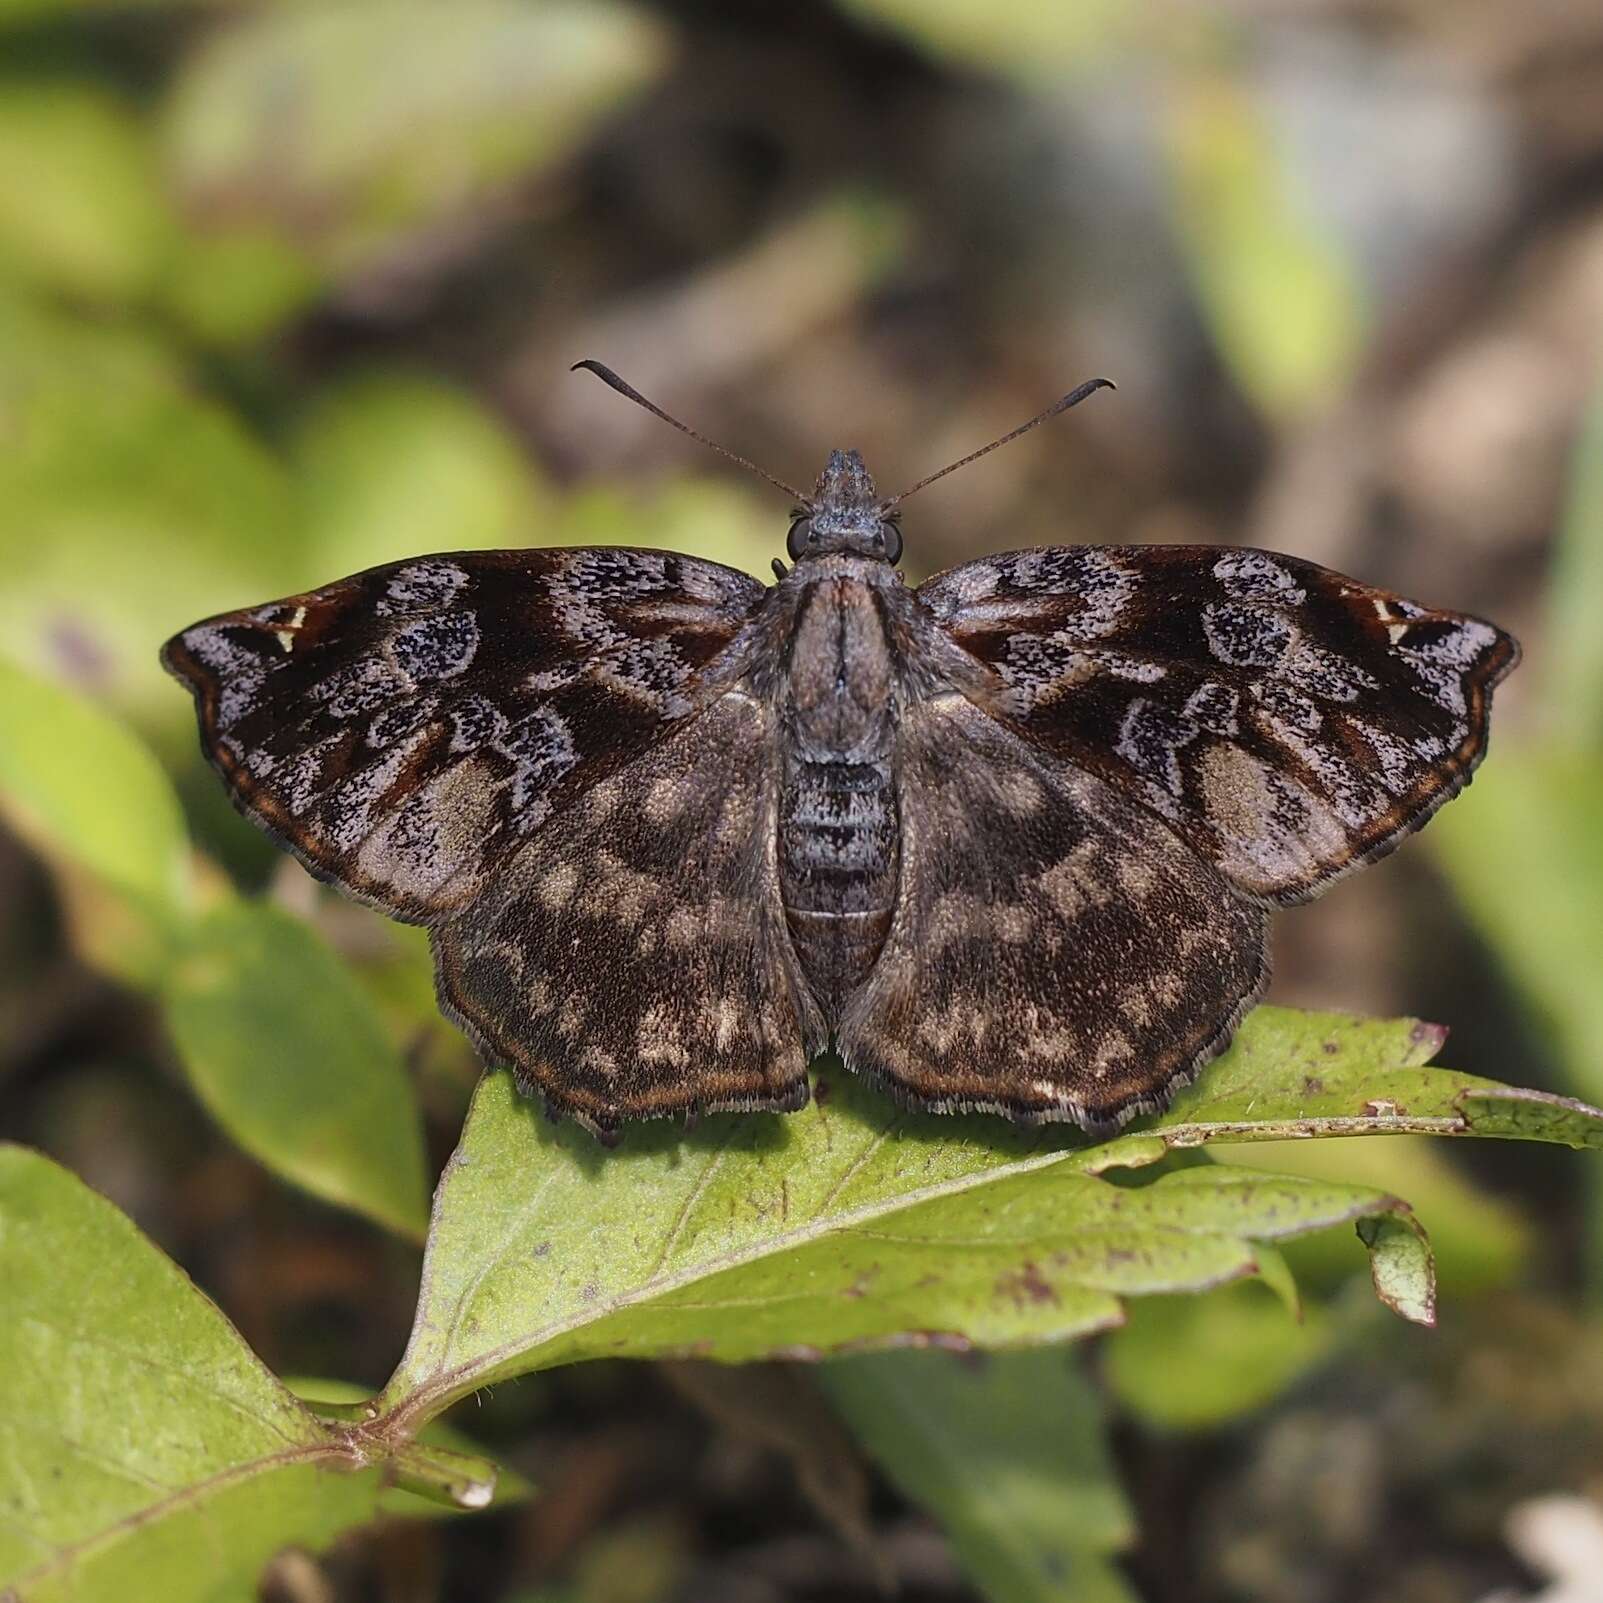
(1009, 1451)
(1279, 292)
(1536, 893)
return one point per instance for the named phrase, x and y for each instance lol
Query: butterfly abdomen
(838, 861)
(838, 822)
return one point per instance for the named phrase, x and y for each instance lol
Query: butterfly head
(844, 516)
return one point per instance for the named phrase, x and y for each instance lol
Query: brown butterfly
(1006, 841)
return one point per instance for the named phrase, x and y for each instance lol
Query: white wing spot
(1256, 576)
(422, 587)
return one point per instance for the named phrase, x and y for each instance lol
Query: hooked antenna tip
(611, 379)
(1062, 404)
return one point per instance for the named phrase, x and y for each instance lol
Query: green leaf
(1278, 292)
(236, 280)
(1400, 1261)
(1524, 852)
(81, 205)
(287, 1052)
(86, 792)
(1037, 40)
(1007, 1451)
(1480, 1240)
(848, 1225)
(1186, 1363)
(139, 1436)
(404, 113)
(394, 463)
(1574, 672)
(26, 11)
(1293, 1074)
(131, 503)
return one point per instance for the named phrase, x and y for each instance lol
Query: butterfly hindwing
(634, 963)
(1289, 722)
(403, 730)
(1055, 953)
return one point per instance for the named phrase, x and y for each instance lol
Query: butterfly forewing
(406, 729)
(1290, 723)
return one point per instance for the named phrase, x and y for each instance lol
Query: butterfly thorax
(838, 822)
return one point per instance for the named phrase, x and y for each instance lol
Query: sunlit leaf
(1280, 296)
(131, 503)
(393, 464)
(235, 281)
(1008, 1453)
(1193, 1362)
(1313, 1074)
(139, 1436)
(1574, 654)
(288, 1054)
(1480, 1239)
(81, 203)
(848, 1225)
(1524, 852)
(343, 126)
(88, 793)
(1031, 39)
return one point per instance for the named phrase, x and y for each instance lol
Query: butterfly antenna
(1073, 398)
(608, 377)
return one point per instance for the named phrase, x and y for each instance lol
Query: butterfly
(1006, 841)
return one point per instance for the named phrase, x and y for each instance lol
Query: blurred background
(290, 289)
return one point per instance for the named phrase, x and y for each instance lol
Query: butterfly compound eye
(891, 535)
(800, 537)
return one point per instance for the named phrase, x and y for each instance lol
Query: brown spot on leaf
(1026, 1286)
(859, 1286)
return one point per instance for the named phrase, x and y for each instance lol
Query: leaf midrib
(196, 1492)
(446, 1386)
